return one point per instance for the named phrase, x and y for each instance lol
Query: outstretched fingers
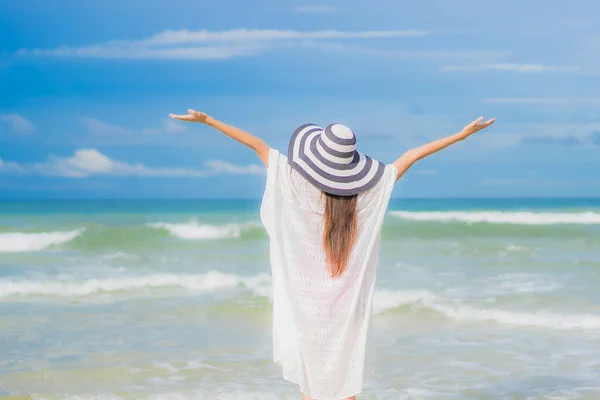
(187, 117)
(486, 124)
(477, 125)
(473, 124)
(192, 116)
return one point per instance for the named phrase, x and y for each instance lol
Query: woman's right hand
(193, 116)
(476, 126)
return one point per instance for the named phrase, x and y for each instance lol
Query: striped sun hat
(328, 159)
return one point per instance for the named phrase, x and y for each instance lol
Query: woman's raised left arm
(405, 161)
(257, 144)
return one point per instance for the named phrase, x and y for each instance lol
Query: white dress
(321, 325)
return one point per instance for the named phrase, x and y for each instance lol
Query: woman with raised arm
(323, 210)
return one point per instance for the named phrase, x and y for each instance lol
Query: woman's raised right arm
(405, 161)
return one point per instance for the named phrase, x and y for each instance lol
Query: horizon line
(260, 198)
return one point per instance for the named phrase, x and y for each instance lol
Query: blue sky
(86, 89)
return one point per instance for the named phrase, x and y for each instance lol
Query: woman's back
(320, 323)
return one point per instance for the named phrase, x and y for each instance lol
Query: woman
(323, 209)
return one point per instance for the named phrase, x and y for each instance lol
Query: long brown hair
(340, 231)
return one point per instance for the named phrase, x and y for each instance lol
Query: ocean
(475, 299)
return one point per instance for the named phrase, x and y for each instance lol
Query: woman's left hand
(193, 116)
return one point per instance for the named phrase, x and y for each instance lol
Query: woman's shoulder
(277, 159)
(294, 188)
(369, 198)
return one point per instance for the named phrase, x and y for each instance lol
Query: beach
(171, 299)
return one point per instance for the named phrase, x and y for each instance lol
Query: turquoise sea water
(475, 299)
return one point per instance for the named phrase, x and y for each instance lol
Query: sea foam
(501, 217)
(193, 230)
(209, 281)
(520, 283)
(385, 301)
(270, 393)
(15, 242)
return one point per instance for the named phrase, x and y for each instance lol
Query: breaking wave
(193, 230)
(15, 242)
(501, 217)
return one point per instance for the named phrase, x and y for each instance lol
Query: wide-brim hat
(328, 159)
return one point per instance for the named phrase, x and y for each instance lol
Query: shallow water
(475, 299)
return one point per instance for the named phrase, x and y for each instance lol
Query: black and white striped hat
(328, 159)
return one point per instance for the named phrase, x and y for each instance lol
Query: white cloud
(6, 166)
(83, 163)
(98, 127)
(185, 36)
(91, 162)
(203, 44)
(222, 166)
(88, 162)
(171, 126)
(526, 100)
(561, 134)
(427, 55)
(509, 67)
(18, 123)
(134, 52)
(579, 102)
(316, 8)
(497, 140)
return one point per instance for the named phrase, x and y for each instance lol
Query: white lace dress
(321, 325)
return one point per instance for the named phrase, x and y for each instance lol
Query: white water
(200, 394)
(193, 230)
(501, 217)
(209, 281)
(15, 242)
(384, 300)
